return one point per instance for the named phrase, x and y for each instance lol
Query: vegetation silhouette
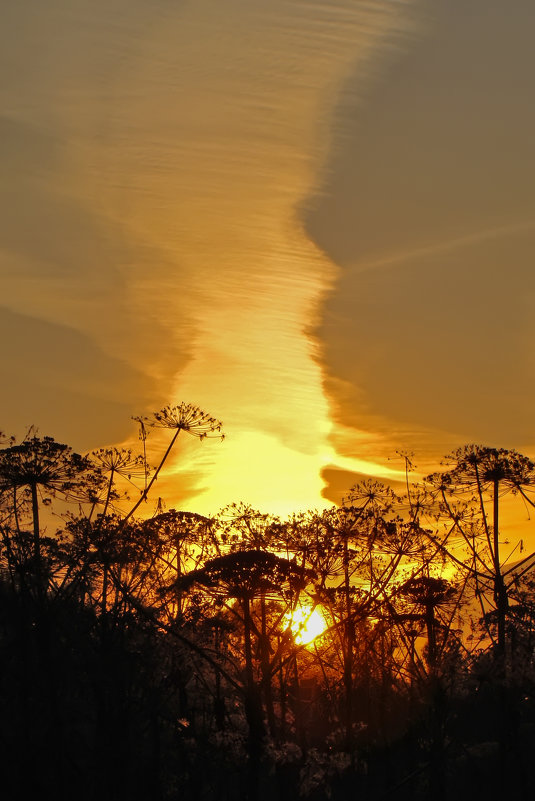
(156, 659)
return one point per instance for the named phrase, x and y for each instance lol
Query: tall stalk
(147, 489)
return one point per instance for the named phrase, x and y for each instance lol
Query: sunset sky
(315, 220)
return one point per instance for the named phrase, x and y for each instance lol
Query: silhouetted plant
(114, 463)
(182, 542)
(162, 657)
(37, 470)
(185, 417)
(485, 475)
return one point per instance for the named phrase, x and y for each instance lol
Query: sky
(315, 220)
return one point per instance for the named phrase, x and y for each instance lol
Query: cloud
(428, 208)
(442, 342)
(65, 261)
(441, 146)
(59, 380)
(44, 227)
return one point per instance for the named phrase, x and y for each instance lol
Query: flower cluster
(186, 417)
(48, 464)
(120, 461)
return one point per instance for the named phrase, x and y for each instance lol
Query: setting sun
(306, 623)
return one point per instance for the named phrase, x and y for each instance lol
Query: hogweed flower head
(45, 463)
(188, 418)
(119, 460)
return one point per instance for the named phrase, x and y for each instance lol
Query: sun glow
(306, 623)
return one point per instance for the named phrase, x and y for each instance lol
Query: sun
(306, 623)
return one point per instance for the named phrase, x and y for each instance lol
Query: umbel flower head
(120, 461)
(45, 463)
(480, 466)
(185, 417)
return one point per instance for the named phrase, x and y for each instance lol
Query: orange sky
(314, 220)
